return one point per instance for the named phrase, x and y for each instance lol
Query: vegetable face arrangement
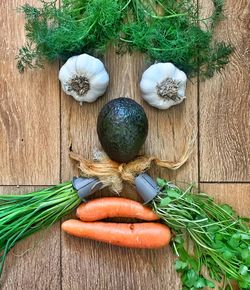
(165, 30)
(221, 239)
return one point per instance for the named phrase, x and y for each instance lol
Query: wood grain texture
(29, 111)
(91, 265)
(33, 263)
(235, 194)
(225, 104)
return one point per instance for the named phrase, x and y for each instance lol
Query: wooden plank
(33, 263)
(29, 111)
(235, 194)
(225, 104)
(91, 265)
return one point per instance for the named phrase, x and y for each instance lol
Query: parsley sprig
(164, 30)
(220, 238)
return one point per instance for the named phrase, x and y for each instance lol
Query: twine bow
(112, 173)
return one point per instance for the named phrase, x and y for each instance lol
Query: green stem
(29, 213)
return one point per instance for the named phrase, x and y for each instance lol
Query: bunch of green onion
(23, 215)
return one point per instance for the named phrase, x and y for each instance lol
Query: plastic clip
(146, 187)
(86, 186)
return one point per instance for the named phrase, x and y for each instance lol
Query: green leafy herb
(165, 30)
(23, 215)
(220, 238)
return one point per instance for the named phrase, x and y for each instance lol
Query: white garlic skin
(153, 76)
(89, 67)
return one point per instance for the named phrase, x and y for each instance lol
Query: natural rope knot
(112, 173)
(132, 169)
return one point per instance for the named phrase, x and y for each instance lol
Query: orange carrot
(108, 207)
(138, 235)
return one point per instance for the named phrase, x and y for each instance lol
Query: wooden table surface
(38, 122)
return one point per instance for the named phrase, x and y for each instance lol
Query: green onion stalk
(23, 215)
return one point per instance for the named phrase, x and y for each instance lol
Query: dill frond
(165, 30)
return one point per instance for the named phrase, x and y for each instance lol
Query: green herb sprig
(23, 215)
(220, 238)
(165, 30)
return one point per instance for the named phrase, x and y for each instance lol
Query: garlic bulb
(84, 78)
(163, 85)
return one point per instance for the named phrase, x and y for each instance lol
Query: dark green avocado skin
(122, 128)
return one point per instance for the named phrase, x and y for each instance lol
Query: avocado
(122, 128)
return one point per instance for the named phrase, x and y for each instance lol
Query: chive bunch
(23, 215)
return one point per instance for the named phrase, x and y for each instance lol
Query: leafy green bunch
(58, 33)
(170, 31)
(165, 30)
(23, 215)
(220, 239)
